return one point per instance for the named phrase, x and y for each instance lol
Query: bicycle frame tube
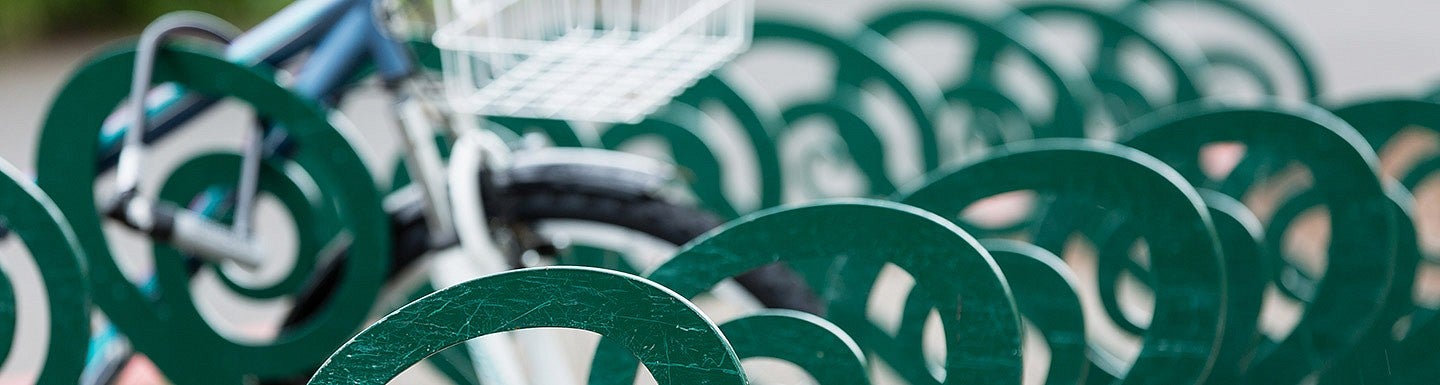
(339, 53)
(342, 32)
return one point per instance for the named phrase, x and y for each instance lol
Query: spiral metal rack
(1149, 230)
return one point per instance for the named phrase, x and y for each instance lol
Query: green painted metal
(1048, 299)
(7, 316)
(1416, 353)
(1125, 98)
(1188, 280)
(1240, 234)
(808, 341)
(212, 177)
(981, 88)
(1431, 93)
(1210, 258)
(1370, 361)
(1367, 363)
(1114, 243)
(730, 94)
(455, 363)
(863, 61)
(861, 141)
(1228, 57)
(1381, 119)
(858, 237)
(1045, 292)
(667, 333)
(867, 58)
(681, 125)
(1362, 247)
(41, 227)
(688, 149)
(169, 329)
(1223, 57)
(1290, 281)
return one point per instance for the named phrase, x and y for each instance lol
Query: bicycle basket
(588, 60)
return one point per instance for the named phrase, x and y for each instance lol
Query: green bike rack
(1380, 119)
(29, 214)
(1431, 94)
(813, 344)
(1362, 249)
(861, 141)
(733, 94)
(1048, 299)
(982, 89)
(1367, 362)
(207, 180)
(1126, 100)
(810, 342)
(858, 237)
(455, 363)
(1240, 236)
(1415, 354)
(169, 329)
(675, 124)
(681, 125)
(864, 60)
(1227, 57)
(1233, 58)
(7, 317)
(1273, 31)
(1188, 275)
(666, 332)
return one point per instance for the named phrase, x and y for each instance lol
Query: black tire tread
(595, 197)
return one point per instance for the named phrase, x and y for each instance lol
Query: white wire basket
(586, 60)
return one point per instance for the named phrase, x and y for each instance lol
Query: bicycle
(355, 238)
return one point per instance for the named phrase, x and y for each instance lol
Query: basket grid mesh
(602, 61)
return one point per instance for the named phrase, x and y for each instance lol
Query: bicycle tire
(585, 191)
(624, 198)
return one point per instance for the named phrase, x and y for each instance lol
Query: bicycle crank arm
(187, 231)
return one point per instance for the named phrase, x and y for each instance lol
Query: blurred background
(1361, 48)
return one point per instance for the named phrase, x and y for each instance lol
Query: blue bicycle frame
(339, 35)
